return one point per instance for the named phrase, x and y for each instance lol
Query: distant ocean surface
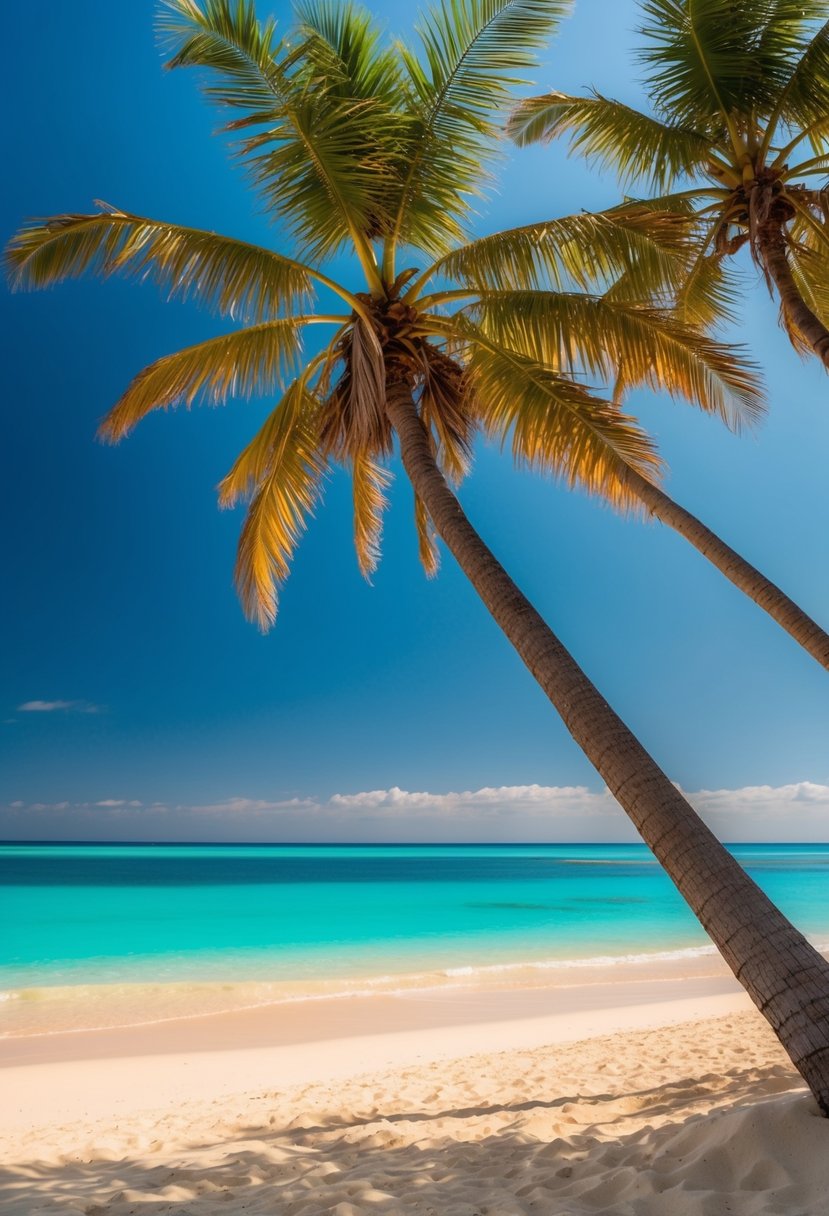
(293, 920)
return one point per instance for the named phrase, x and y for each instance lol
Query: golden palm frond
(281, 471)
(809, 268)
(427, 544)
(243, 363)
(233, 277)
(710, 294)
(585, 252)
(703, 297)
(297, 407)
(369, 481)
(577, 333)
(553, 423)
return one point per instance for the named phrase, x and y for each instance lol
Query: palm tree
(379, 151)
(740, 89)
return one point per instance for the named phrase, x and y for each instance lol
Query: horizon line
(398, 844)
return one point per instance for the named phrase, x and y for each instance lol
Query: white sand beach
(638, 1099)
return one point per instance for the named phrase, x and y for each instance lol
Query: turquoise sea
(115, 914)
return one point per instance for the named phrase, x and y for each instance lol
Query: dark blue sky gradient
(118, 565)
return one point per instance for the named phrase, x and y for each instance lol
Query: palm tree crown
(359, 146)
(740, 95)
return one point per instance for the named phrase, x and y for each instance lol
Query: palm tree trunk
(771, 245)
(785, 976)
(742, 574)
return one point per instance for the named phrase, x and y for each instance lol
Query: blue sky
(119, 611)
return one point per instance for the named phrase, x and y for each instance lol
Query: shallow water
(336, 916)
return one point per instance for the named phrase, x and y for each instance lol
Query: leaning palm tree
(740, 91)
(379, 151)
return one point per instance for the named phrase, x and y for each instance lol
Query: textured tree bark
(766, 594)
(785, 976)
(771, 245)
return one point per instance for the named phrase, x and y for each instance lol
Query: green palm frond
(227, 38)
(239, 364)
(232, 277)
(473, 53)
(582, 251)
(577, 333)
(614, 136)
(281, 472)
(551, 421)
(710, 59)
(342, 49)
(319, 156)
(369, 482)
(805, 96)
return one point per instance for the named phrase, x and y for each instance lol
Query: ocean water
(111, 914)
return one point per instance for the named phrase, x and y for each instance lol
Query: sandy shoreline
(90, 1072)
(644, 1098)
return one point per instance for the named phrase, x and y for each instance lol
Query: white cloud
(485, 804)
(489, 796)
(49, 707)
(797, 812)
(751, 795)
(246, 806)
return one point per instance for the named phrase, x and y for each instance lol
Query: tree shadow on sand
(571, 1155)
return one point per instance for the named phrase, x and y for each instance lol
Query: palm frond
(249, 361)
(703, 290)
(226, 37)
(710, 59)
(354, 419)
(444, 410)
(473, 53)
(343, 47)
(281, 472)
(810, 270)
(232, 277)
(804, 99)
(369, 481)
(551, 421)
(809, 228)
(427, 544)
(587, 252)
(709, 294)
(318, 158)
(576, 333)
(636, 146)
